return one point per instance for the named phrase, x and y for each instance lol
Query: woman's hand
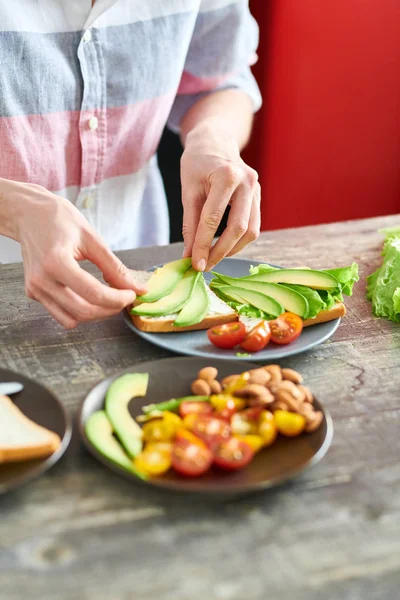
(54, 237)
(213, 176)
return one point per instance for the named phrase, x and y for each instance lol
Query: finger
(114, 271)
(214, 208)
(254, 224)
(192, 206)
(71, 275)
(236, 227)
(77, 307)
(58, 313)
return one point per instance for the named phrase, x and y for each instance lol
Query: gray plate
(195, 343)
(171, 378)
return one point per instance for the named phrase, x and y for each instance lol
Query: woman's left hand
(214, 176)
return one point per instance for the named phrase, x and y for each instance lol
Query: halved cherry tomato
(238, 384)
(233, 454)
(199, 408)
(227, 336)
(268, 432)
(155, 459)
(220, 401)
(211, 430)
(258, 338)
(286, 328)
(158, 430)
(191, 460)
(253, 413)
(254, 441)
(288, 423)
(185, 436)
(241, 425)
(227, 412)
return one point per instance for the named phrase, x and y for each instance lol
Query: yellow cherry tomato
(268, 432)
(154, 460)
(239, 384)
(189, 420)
(243, 426)
(254, 441)
(158, 430)
(288, 423)
(266, 415)
(220, 401)
(173, 419)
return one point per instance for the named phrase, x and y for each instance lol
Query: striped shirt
(85, 93)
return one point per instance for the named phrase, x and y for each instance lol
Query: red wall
(327, 141)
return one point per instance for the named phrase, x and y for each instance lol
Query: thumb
(115, 273)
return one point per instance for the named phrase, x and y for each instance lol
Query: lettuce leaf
(315, 302)
(383, 286)
(256, 270)
(347, 277)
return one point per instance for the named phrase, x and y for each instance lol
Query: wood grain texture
(81, 533)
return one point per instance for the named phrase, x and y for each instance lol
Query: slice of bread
(20, 438)
(218, 314)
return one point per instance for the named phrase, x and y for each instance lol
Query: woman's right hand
(54, 237)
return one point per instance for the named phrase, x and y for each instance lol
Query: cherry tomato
(268, 432)
(266, 415)
(211, 430)
(220, 401)
(233, 454)
(191, 460)
(241, 425)
(227, 412)
(258, 338)
(199, 408)
(155, 459)
(254, 441)
(288, 423)
(158, 430)
(286, 328)
(253, 413)
(238, 383)
(227, 336)
(185, 436)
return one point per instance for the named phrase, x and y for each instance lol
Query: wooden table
(82, 533)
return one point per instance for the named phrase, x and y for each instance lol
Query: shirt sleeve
(221, 53)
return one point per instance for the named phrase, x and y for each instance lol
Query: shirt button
(88, 202)
(93, 123)
(87, 36)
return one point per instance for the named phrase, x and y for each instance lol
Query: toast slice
(218, 314)
(20, 438)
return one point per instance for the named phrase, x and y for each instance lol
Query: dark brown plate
(37, 403)
(171, 378)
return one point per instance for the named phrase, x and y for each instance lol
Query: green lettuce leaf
(347, 277)
(315, 302)
(256, 270)
(383, 286)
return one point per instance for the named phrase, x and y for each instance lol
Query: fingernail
(201, 265)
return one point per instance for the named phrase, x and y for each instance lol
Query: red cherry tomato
(199, 408)
(227, 336)
(286, 328)
(191, 460)
(258, 338)
(211, 430)
(233, 454)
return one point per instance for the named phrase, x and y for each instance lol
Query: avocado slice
(197, 307)
(100, 434)
(164, 280)
(261, 301)
(316, 280)
(119, 394)
(172, 303)
(290, 299)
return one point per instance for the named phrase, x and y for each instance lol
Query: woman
(85, 92)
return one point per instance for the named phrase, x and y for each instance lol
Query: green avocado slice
(261, 301)
(197, 307)
(165, 279)
(172, 303)
(119, 394)
(317, 280)
(100, 434)
(290, 299)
